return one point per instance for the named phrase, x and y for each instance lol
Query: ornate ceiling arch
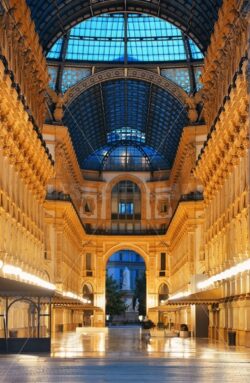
(120, 73)
(54, 18)
(125, 110)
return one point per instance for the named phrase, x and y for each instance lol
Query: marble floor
(126, 355)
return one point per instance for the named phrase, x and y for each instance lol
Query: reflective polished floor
(126, 355)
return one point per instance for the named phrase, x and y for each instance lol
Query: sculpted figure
(126, 279)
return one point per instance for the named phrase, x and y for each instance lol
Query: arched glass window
(125, 39)
(126, 158)
(120, 37)
(126, 206)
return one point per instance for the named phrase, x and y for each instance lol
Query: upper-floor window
(126, 207)
(126, 202)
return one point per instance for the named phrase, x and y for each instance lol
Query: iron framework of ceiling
(53, 18)
(124, 40)
(131, 104)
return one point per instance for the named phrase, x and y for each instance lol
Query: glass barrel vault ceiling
(125, 125)
(117, 38)
(124, 39)
(55, 17)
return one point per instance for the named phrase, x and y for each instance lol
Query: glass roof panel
(152, 39)
(53, 18)
(178, 75)
(119, 37)
(126, 157)
(98, 39)
(133, 111)
(126, 134)
(72, 76)
(55, 51)
(126, 104)
(195, 51)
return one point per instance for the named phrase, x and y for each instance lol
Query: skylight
(125, 38)
(126, 134)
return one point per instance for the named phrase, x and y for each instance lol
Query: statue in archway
(126, 279)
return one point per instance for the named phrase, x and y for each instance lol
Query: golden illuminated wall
(64, 236)
(97, 192)
(223, 169)
(185, 238)
(186, 229)
(64, 239)
(25, 164)
(185, 232)
(148, 247)
(25, 169)
(24, 59)
(67, 178)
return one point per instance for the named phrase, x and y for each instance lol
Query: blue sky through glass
(102, 39)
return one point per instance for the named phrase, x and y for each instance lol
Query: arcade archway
(125, 287)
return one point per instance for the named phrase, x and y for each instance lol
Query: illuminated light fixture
(179, 295)
(37, 281)
(26, 277)
(1, 264)
(239, 268)
(69, 294)
(12, 270)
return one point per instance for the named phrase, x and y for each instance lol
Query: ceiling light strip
(226, 274)
(25, 277)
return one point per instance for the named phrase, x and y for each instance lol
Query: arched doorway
(125, 287)
(163, 293)
(88, 294)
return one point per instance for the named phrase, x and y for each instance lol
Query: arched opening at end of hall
(125, 288)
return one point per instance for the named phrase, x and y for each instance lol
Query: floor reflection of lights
(127, 354)
(73, 344)
(131, 342)
(172, 347)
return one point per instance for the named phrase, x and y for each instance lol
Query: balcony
(93, 231)
(120, 216)
(58, 196)
(193, 196)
